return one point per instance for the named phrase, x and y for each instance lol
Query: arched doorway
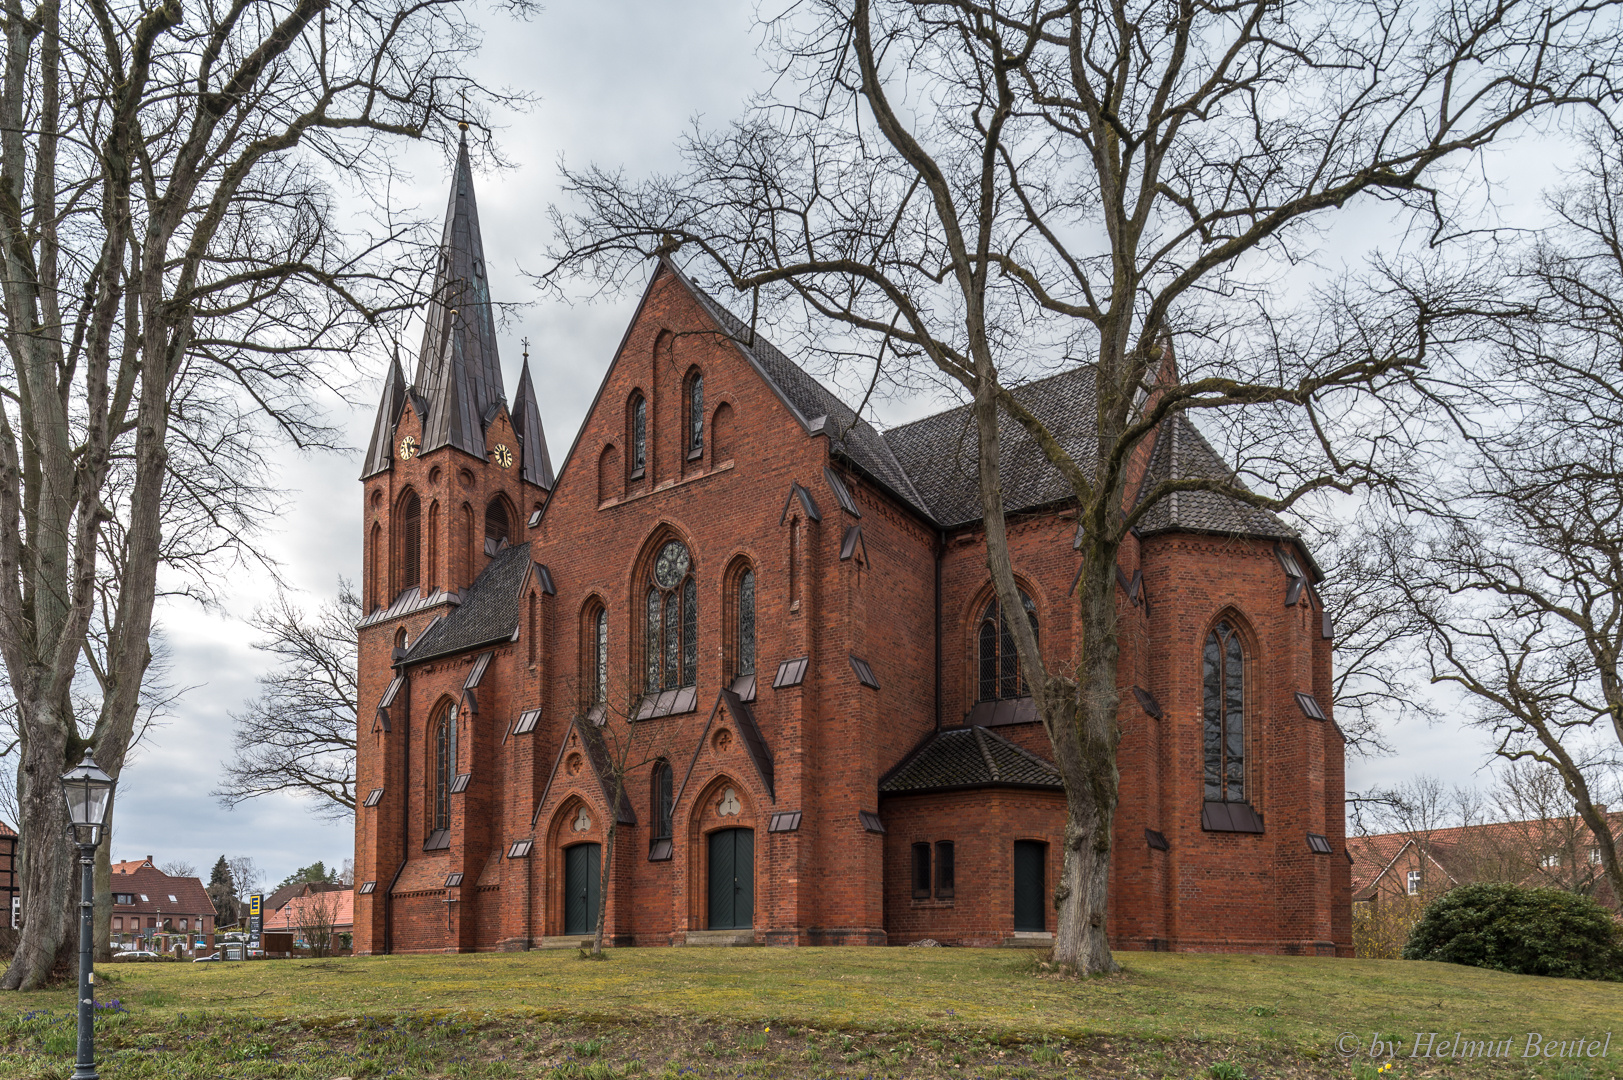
(582, 878)
(1029, 886)
(732, 879)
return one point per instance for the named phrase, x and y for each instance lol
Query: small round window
(671, 566)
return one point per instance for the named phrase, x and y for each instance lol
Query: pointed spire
(380, 452)
(536, 462)
(458, 369)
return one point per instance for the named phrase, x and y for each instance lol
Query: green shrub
(1523, 931)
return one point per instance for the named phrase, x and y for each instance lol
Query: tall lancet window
(639, 435)
(671, 643)
(411, 541)
(1223, 667)
(744, 655)
(999, 663)
(600, 657)
(696, 414)
(444, 768)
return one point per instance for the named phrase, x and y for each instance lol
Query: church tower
(451, 471)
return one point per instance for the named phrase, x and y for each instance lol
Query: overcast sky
(616, 83)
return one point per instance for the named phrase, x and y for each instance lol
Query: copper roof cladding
(458, 369)
(380, 451)
(954, 759)
(534, 461)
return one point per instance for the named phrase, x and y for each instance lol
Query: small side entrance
(581, 888)
(1030, 886)
(732, 879)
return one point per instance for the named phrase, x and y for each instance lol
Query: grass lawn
(859, 1013)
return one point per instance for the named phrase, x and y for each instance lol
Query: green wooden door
(1029, 887)
(732, 879)
(581, 888)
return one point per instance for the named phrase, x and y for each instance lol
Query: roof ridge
(760, 343)
(986, 753)
(1017, 748)
(939, 413)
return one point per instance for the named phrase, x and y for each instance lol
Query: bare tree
(298, 737)
(986, 189)
(179, 868)
(317, 915)
(1516, 570)
(178, 270)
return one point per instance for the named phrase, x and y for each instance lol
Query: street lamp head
(89, 792)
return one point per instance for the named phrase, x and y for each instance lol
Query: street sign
(256, 920)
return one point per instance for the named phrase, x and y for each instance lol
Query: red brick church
(776, 622)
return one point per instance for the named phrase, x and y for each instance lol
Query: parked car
(210, 958)
(139, 954)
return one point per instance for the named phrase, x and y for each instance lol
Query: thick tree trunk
(1079, 714)
(48, 862)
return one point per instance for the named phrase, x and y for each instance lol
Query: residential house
(150, 906)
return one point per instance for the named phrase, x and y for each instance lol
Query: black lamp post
(89, 792)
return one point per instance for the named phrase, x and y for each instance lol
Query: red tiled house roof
(300, 909)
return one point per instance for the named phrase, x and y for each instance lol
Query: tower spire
(533, 457)
(380, 451)
(458, 369)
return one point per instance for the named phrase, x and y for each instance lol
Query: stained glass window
(999, 663)
(744, 658)
(696, 413)
(1223, 672)
(672, 643)
(600, 659)
(639, 434)
(444, 768)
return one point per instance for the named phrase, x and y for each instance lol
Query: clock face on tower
(408, 448)
(503, 456)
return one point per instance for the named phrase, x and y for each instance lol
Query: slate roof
(458, 369)
(814, 404)
(969, 757)
(1180, 451)
(939, 451)
(488, 612)
(535, 464)
(930, 463)
(380, 451)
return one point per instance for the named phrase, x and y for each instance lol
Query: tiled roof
(969, 757)
(338, 903)
(143, 879)
(488, 612)
(7, 830)
(939, 452)
(283, 894)
(811, 401)
(1181, 452)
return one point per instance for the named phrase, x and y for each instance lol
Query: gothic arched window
(999, 664)
(672, 644)
(744, 632)
(696, 414)
(498, 523)
(411, 541)
(444, 768)
(1223, 665)
(598, 675)
(662, 800)
(639, 435)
